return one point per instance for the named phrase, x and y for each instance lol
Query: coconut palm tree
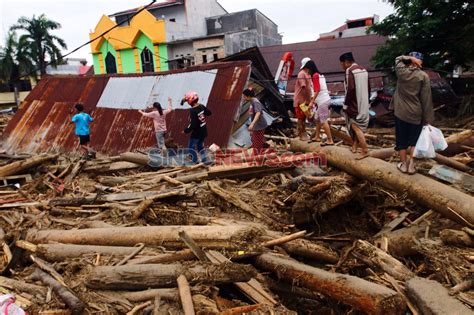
(15, 60)
(43, 45)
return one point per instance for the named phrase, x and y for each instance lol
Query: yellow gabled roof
(124, 37)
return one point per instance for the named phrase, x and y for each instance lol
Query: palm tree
(43, 45)
(15, 60)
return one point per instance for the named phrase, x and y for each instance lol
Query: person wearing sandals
(320, 103)
(302, 98)
(413, 107)
(356, 102)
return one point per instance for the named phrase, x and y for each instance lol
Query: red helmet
(191, 97)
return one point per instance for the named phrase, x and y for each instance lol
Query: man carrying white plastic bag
(413, 108)
(431, 140)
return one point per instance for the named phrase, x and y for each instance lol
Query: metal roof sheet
(42, 121)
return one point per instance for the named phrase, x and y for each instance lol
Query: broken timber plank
(446, 200)
(393, 224)
(185, 295)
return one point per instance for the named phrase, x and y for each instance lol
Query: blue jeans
(199, 145)
(160, 139)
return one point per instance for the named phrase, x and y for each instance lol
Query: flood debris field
(114, 236)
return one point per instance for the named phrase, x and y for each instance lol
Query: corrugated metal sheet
(42, 122)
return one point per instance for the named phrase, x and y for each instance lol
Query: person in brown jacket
(412, 105)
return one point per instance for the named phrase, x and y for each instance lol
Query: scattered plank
(185, 295)
(393, 224)
(284, 239)
(453, 176)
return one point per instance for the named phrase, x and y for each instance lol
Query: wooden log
(168, 236)
(401, 242)
(454, 237)
(377, 258)
(69, 298)
(60, 252)
(431, 297)
(366, 296)
(136, 158)
(138, 211)
(284, 239)
(22, 286)
(21, 166)
(308, 249)
(185, 295)
(75, 170)
(446, 200)
(170, 294)
(141, 277)
(185, 254)
(99, 198)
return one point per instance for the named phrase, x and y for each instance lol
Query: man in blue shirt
(82, 121)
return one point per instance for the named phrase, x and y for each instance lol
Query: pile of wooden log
(115, 236)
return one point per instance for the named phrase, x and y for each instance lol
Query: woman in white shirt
(321, 102)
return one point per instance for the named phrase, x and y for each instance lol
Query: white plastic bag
(439, 143)
(424, 146)
(8, 306)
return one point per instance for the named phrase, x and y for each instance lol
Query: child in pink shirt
(159, 121)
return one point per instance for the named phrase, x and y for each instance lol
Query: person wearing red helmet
(197, 126)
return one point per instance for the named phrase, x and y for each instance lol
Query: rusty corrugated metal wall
(42, 124)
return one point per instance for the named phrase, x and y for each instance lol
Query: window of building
(216, 57)
(147, 60)
(110, 64)
(173, 20)
(204, 58)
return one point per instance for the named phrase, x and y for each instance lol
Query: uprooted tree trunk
(366, 296)
(140, 277)
(444, 199)
(168, 236)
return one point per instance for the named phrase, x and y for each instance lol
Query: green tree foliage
(443, 30)
(45, 48)
(15, 58)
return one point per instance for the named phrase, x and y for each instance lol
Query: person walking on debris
(159, 121)
(302, 97)
(413, 107)
(259, 124)
(320, 104)
(197, 126)
(82, 121)
(356, 103)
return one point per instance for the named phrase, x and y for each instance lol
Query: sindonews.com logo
(236, 157)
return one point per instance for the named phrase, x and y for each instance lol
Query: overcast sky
(298, 20)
